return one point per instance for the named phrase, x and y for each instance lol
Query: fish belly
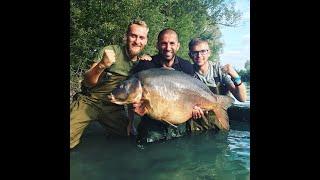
(174, 106)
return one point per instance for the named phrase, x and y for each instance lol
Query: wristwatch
(237, 81)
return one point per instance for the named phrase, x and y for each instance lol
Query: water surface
(200, 156)
(218, 156)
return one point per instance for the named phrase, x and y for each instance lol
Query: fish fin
(222, 117)
(225, 101)
(170, 124)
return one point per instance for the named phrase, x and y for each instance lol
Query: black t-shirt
(148, 126)
(179, 64)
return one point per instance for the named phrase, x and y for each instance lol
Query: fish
(169, 95)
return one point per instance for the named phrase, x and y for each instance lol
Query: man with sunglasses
(220, 79)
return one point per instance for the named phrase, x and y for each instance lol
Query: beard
(134, 50)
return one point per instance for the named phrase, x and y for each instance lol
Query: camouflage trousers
(85, 109)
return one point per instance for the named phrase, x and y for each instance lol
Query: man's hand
(229, 70)
(139, 108)
(108, 58)
(145, 57)
(197, 112)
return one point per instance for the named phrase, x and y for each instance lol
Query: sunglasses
(201, 52)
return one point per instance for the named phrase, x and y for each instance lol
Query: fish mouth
(112, 99)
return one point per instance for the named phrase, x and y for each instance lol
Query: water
(218, 156)
(202, 156)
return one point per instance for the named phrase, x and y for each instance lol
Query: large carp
(170, 95)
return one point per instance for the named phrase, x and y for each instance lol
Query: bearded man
(111, 66)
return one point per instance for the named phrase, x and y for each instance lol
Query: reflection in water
(200, 156)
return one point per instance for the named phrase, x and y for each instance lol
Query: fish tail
(222, 118)
(225, 101)
(220, 110)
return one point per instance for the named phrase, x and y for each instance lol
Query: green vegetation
(97, 23)
(245, 73)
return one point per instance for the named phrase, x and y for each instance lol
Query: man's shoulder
(185, 66)
(184, 61)
(216, 65)
(147, 63)
(156, 58)
(144, 65)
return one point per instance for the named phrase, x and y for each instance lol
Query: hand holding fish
(139, 108)
(172, 98)
(197, 112)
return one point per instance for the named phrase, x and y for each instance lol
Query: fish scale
(170, 95)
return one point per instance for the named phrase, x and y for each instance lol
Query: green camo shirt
(119, 71)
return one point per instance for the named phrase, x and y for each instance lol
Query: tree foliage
(245, 73)
(97, 23)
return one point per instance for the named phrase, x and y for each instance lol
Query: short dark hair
(167, 30)
(196, 41)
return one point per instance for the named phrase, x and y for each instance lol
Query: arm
(238, 91)
(92, 76)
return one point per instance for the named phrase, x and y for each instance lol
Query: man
(168, 46)
(216, 77)
(112, 65)
(150, 130)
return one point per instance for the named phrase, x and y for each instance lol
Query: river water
(220, 156)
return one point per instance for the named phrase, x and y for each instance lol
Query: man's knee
(74, 143)
(75, 136)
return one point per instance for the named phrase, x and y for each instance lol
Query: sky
(236, 40)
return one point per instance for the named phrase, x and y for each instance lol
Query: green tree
(96, 23)
(247, 65)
